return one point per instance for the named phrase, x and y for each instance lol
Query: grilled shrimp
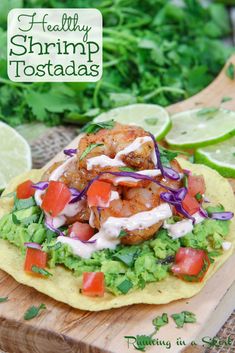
(134, 197)
(111, 142)
(132, 201)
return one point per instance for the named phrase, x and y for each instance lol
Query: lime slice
(220, 157)
(201, 127)
(150, 117)
(15, 155)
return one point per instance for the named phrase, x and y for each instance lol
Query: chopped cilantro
(127, 255)
(122, 233)
(34, 311)
(89, 149)
(183, 318)
(125, 286)
(55, 246)
(198, 196)
(207, 111)
(151, 121)
(167, 156)
(21, 204)
(41, 271)
(230, 71)
(3, 299)
(160, 321)
(226, 99)
(92, 128)
(127, 169)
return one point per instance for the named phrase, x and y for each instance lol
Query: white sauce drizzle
(105, 161)
(58, 172)
(226, 245)
(181, 228)
(107, 237)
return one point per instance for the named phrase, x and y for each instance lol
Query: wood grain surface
(62, 329)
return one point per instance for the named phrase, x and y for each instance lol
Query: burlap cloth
(53, 141)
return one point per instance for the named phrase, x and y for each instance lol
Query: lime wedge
(15, 155)
(150, 117)
(201, 127)
(220, 157)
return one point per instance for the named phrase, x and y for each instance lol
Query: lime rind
(139, 114)
(192, 131)
(15, 154)
(220, 157)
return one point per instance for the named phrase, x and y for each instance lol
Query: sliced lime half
(201, 127)
(220, 157)
(150, 117)
(15, 155)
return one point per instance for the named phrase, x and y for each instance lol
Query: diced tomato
(81, 230)
(25, 190)
(190, 204)
(56, 198)
(196, 185)
(99, 193)
(93, 284)
(191, 264)
(34, 257)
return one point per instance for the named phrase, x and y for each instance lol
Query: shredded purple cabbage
(166, 171)
(42, 185)
(171, 173)
(33, 245)
(79, 194)
(203, 212)
(222, 216)
(70, 152)
(175, 199)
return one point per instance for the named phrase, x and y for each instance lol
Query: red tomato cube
(25, 190)
(83, 231)
(190, 204)
(56, 198)
(196, 185)
(35, 257)
(93, 284)
(191, 262)
(98, 194)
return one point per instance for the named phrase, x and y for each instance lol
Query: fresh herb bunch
(153, 51)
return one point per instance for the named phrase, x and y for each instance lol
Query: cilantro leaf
(21, 204)
(207, 111)
(122, 233)
(226, 99)
(125, 286)
(160, 321)
(89, 149)
(151, 121)
(230, 71)
(41, 271)
(183, 318)
(94, 127)
(34, 311)
(167, 156)
(3, 299)
(127, 169)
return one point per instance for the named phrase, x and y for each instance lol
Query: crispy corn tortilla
(64, 286)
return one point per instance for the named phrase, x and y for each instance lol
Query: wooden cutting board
(62, 329)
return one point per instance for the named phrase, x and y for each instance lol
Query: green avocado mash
(127, 267)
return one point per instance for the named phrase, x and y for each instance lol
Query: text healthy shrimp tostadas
(119, 221)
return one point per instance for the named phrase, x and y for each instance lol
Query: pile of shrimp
(133, 197)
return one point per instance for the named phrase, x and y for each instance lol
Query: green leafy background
(153, 52)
